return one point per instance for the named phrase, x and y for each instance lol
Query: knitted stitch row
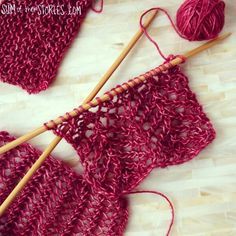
(56, 201)
(33, 42)
(155, 124)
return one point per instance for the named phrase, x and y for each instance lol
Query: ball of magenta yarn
(200, 19)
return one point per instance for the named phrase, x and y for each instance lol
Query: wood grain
(202, 190)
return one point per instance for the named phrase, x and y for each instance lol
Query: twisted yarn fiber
(33, 45)
(56, 201)
(200, 19)
(154, 124)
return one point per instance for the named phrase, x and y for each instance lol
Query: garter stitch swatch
(155, 124)
(32, 44)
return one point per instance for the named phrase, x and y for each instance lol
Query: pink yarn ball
(200, 19)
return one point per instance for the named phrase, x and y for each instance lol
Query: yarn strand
(149, 36)
(195, 20)
(167, 200)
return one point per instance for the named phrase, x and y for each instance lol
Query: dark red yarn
(166, 199)
(32, 46)
(155, 124)
(56, 201)
(200, 19)
(195, 20)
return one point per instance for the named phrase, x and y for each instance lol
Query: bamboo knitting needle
(56, 141)
(28, 175)
(103, 80)
(95, 102)
(106, 97)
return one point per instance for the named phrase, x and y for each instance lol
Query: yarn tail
(167, 200)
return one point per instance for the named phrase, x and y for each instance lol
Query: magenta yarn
(200, 19)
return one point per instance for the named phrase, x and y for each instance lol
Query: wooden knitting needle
(56, 141)
(86, 106)
(28, 175)
(73, 113)
(103, 80)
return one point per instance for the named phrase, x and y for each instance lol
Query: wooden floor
(203, 190)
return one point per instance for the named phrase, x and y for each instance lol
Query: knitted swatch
(33, 40)
(56, 201)
(155, 124)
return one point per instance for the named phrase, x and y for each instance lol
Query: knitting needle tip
(207, 45)
(224, 36)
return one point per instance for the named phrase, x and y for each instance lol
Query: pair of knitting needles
(90, 102)
(57, 139)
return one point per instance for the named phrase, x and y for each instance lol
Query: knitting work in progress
(56, 201)
(34, 39)
(154, 124)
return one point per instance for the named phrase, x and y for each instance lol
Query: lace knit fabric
(32, 44)
(155, 124)
(56, 201)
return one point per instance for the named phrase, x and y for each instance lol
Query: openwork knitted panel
(56, 201)
(32, 44)
(155, 124)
